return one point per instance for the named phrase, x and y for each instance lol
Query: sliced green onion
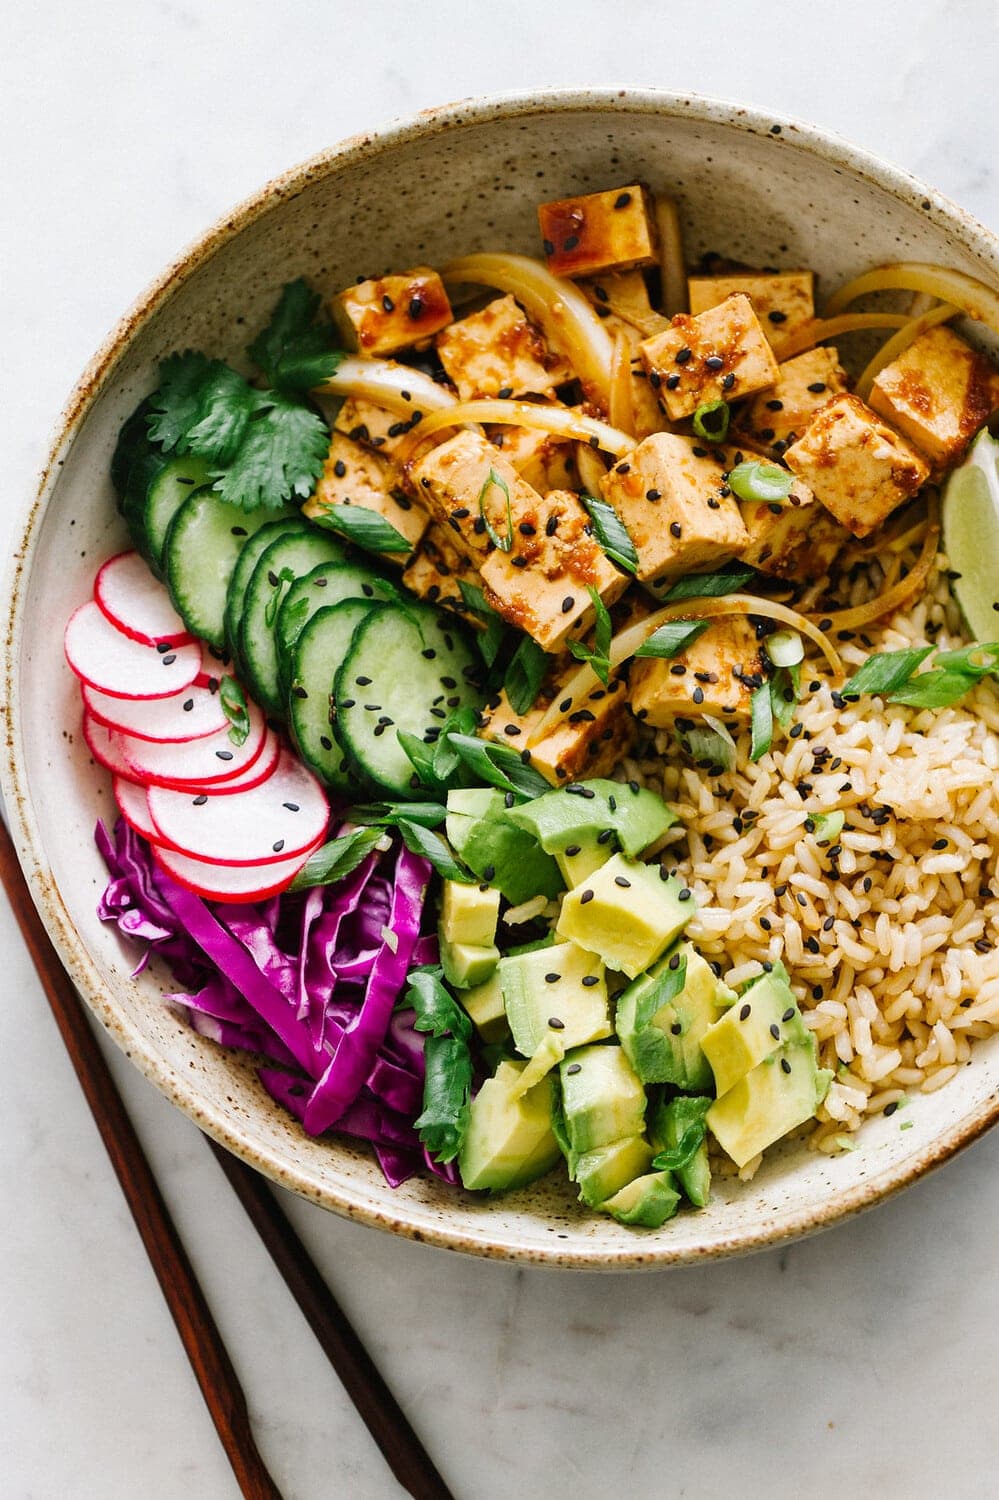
(711, 421)
(885, 672)
(233, 701)
(762, 722)
(710, 747)
(361, 524)
(669, 984)
(709, 585)
(421, 840)
(505, 544)
(936, 689)
(672, 638)
(755, 480)
(826, 827)
(612, 534)
(785, 648)
(525, 674)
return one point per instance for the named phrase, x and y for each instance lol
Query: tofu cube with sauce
(590, 741)
(465, 482)
(374, 426)
(388, 313)
(714, 676)
(671, 496)
(353, 475)
(799, 542)
(782, 300)
(544, 461)
(719, 355)
(612, 231)
(777, 417)
(499, 351)
(434, 570)
(938, 393)
(625, 295)
(857, 466)
(541, 585)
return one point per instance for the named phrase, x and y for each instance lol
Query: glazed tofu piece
(938, 393)
(353, 475)
(374, 426)
(590, 741)
(544, 461)
(466, 482)
(782, 300)
(778, 417)
(541, 585)
(612, 231)
(674, 502)
(714, 676)
(719, 355)
(858, 467)
(389, 313)
(499, 352)
(799, 542)
(434, 570)
(626, 295)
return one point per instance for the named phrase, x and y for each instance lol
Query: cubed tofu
(467, 481)
(778, 417)
(541, 585)
(374, 426)
(389, 313)
(589, 742)
(353, 475)
(544, 461)
(719, 355)
(626, 295)
(782, 300)
(434, 570)
(858, 467)
(718, 674)
(798, 542)
(612, 231)
(499, 351)
(678, 511)
(938, 393)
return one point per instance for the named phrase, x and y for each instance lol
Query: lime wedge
(970, 516)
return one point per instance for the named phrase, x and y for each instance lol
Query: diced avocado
(646, 1202)
(602, 1100)
(783, 1091)
(509, 1140)
(627, 913)
(547, 1054)
(603, 1172)
(666, 1047)
(495, 849)
(578, 861)
(635, 816)
(466, 964)
(550, 985)
(469, 914)
(484, 1004)
(762, 1018)
(668, 1124)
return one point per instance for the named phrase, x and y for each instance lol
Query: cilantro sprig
(447, 1086)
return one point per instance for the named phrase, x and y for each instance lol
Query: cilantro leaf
(447, 1089)
(225, 406)
(674, 1159)
(437, 1012)
(295, 349)
(176, 403)
(281, 455)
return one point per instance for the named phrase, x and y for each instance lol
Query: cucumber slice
(132, 440)
(174, 483)
(203, 543)
(407, 669)
(146, 464)
(282, 523)
(316, 657)
(279, 565)
(326, 585)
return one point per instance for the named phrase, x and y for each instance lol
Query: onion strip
(892, 598)
(899, 342)
(671, 263)
(591, 469)
(566, 318)
(816, 330)
(560, 420)
(973, 297)
(396, 387)
(620, 410)
(627, 642)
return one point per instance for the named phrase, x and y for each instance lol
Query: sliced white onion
(397, 387)
(969, 294)
(561, 420)
(817, 330)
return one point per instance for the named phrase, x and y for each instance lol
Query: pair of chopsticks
(199, 1334)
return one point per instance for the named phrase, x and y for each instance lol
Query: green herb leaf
(281, 455)
(611, 533)
(498, 766)
(669, 984)
(490, 640)
(225, 407)
(437, 1012)
(420, 840)
(505, 544)
(598, 655)
(233, 701)
(709, 585)
(525, 674)
(447, 1089)
(784, 686)
(388, 814)
(935, 689)
(337, 858)
(421, 757)
(709, 747)
(175, 404)
(672, 638)
(826, 827)
(711, 421)
(886, 671)
(686, 1148)
(294, 350)
(762, 722)
(360, 524)
(755, 480)
(285, 579)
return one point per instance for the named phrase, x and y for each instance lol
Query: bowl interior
(461, 180)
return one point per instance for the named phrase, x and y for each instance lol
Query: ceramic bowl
(457, 179)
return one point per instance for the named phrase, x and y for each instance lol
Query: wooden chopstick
(199, 1334)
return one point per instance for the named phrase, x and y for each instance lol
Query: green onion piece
(421, 840)
(612, 534)
(504, 543)
(755, 480)
(709, 585)
(885, 672)
(762, 722)
(337, 858)
(785, 648)
(233, 701)
(827, 827)
(387, 814)
(935, 689)
(975, 660)
(490, 640)
(709, 747)
(784, 686)
(360, 524)
(667, 987)
(672, 638)
(711, 421)
(525, 674)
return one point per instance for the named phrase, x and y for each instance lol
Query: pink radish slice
(132, 805)
(136, 604)
(197, 762)
(102, 656)
(191, 714)
(228, 882)
(104, 747)
(283, 816)
(263, 767)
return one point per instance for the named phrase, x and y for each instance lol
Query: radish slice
(134, 808)
(104, 747)
(259, 770)
(229, 883)
(283, 816)
(192, 714)
(196, 762)
(136, 604)
(102, 656)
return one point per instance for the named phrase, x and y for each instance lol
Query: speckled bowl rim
(786, 133)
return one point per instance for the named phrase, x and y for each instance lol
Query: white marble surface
(863, 1359)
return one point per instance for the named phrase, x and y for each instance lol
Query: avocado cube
(668, 1124)
(579, 861)
(666, 1047)
(560, 990)
(781, 1092)
(467, 964)
(630, 818)
(484, 1005)
(495, 849)
(763, 1018)
(645, 1203)
(604, 1171)
(627, 913)
(602, 1099)
(509, 1140)
(469, 914)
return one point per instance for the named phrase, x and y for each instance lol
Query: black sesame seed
(188, 705)
(585, 897)
(672, 381)
(653, 495)
(745, 1012)
(168, 661)
(573, 1069)
(589, 980)
(489, 873)
(684, 895)
(817, 386)
(675, 529)
(698, 695)
(326, 742)
(223, 754)
(568, 604)
(728, 381)
(200, 800)
(714, 362)
(682, 356)
(622, 200)
(548, 247)
(571, 242)
(775, 1031)
(556, 1024)
(552, 978)
(623, 882)
(785, 1065)
(674, 962)
(605, 836)
(891, 1108)
(777, 316)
